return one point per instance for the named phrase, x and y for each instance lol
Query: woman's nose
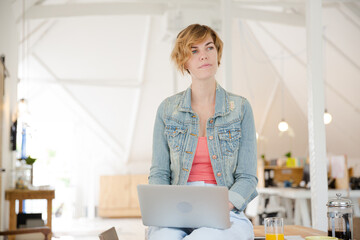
(203, 56)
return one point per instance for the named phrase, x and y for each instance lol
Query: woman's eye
(210, 48)
(194, 51)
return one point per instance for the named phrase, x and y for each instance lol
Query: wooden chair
(109, 234)
(44, 230)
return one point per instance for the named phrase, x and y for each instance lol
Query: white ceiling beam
(340, 1)
(342, 97)
(347, 17)
(27, 37)
(269, 16)
(267, 3)
(95, 9)
(345, 56)
(286, 3)
(44, 33)
(354, 8)
(123, 83)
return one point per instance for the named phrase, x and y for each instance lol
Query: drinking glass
(274, 228)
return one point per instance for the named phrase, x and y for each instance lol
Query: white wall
(9, 47)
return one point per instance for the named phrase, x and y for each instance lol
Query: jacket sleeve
(244, 188)
(160, 172)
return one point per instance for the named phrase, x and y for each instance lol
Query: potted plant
(290, 161)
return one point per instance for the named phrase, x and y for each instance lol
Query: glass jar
(340, 219)
(22, 175)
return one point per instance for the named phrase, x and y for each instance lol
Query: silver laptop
(184, 206)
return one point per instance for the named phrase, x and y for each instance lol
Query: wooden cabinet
(281, 174)
(118, 195)
(271, 175)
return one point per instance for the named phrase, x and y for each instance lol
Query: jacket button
(211, 137)
(218, 174)
(211, 121)
(214, 156)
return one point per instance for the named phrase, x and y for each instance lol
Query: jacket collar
(221, 101)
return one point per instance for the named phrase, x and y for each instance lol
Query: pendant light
(283, 125)
(327, 117)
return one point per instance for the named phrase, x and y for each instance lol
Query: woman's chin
(204, 77)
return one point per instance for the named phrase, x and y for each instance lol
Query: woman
(205, 136)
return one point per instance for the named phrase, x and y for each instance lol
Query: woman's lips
(205, 66)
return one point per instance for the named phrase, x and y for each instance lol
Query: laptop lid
(184, 206)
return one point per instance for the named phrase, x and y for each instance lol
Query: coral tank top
(201, 169)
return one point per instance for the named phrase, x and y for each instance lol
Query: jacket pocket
(229, 141)
(176, 137)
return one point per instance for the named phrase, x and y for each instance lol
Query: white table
(301, 198)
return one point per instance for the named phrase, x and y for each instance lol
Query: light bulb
(22, 106)
(257, 136)
(283, 126)
(327, 117)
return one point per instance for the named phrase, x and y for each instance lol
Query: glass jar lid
(339, 202)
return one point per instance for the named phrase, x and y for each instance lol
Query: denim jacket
(231, 141)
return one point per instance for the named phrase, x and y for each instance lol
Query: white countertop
(296, 193)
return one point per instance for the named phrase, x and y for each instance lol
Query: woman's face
(203, 62)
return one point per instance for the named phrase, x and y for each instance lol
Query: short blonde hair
(191, 35)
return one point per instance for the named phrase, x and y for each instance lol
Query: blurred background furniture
(297, 201)
(44, 230)
(19, 194)
(118, 195)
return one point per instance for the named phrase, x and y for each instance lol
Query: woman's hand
(231, 206)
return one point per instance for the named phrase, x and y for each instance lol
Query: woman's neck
(203, 92)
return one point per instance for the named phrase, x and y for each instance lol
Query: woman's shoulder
(238, 103)
(231, 96)
(172, 101)
(237, 98)
(176, 98)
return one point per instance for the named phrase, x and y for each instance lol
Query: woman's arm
(160, 167)
(244, 188)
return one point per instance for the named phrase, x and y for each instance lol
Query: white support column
(316, 127)
(226, 37)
